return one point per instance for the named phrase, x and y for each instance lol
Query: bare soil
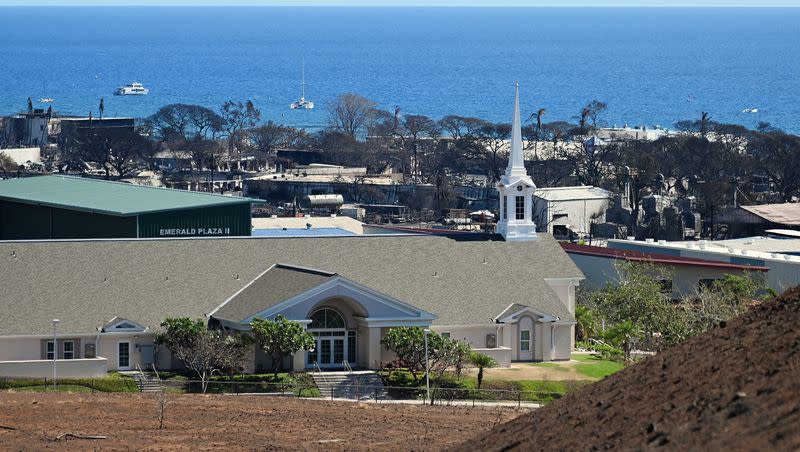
(736, 387)
(31, 421)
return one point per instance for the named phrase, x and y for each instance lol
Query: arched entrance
(335, 344)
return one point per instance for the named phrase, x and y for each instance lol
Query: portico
(347, 319)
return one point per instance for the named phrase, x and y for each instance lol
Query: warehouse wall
(29, 222)
(222, 221)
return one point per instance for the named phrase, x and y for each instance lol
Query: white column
(299, 361)
(374, 350)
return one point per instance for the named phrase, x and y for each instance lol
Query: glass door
(324, 352)
(124, 355)
(338, 352)
(332, 349)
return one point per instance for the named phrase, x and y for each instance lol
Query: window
(50, 349)
(504, 207)
(445, 335)
(525, 340)
(351, 347)
(326, 318)
(69, 350)
(520, 207)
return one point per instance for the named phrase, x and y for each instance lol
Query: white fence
(65, 368)
(500, 354)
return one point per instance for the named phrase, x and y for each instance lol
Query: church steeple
(516, 189)
(516, 163)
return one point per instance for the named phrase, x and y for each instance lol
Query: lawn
(583, 365)
(595, 367)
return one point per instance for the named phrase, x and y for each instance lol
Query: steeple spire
(516, 163)
(516, 189)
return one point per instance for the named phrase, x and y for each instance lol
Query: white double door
(330, 351)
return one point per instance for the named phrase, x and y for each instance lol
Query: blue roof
(300, 232)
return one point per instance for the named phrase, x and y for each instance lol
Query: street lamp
(425, 334)
(55, 351)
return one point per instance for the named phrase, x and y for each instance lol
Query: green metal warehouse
(64, 207)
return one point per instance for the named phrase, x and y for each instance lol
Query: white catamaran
(303, 103)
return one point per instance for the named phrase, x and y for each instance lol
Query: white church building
(510, 295)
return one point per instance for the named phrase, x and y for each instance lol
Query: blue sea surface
(652, 66)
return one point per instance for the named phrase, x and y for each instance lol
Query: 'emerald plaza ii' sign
(178, 232)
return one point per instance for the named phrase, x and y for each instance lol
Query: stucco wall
(19, 348)
(65, 368)
(502, 355)
(107, 347)
(475, 336)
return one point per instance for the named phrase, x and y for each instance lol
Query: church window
(504, 207)
(520, 208)
(326, 318)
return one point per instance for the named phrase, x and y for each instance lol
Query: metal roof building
(63, 207)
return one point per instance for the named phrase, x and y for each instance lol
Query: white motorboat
(750, 110)
(302, 103)
(134, 89)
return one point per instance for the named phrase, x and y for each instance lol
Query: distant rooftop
(111, 198)
(785, 214)
(301, 232)
(572, 193)
(331, 223)
(654, 258)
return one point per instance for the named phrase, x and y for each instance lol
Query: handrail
(142, 378)
(321, 375)
(346, 366)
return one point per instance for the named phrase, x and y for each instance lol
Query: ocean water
(652, 66)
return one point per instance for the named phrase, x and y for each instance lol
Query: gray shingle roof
(277, 284)
(86, 283)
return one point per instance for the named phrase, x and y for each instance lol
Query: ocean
(651, 66)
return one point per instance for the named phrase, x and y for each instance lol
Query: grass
(595, 367)
(557, 366)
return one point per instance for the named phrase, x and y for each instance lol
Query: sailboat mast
(303, 70)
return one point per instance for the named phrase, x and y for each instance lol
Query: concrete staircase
(147, 383)
(353, 385)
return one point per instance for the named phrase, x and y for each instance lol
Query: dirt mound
(734, 387)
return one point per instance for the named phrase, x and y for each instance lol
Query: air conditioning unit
(491, 341)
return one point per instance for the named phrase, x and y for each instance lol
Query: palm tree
(481, 361)
(587, 325)
(622, 335)
(538, 116)
(704, 120)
